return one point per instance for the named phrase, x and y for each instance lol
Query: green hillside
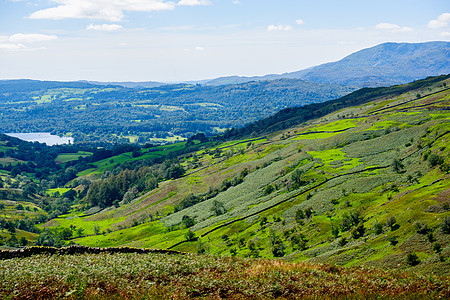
(364, 184)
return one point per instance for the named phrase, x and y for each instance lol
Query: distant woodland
(117, 114)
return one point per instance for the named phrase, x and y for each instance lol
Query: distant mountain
(129, 84)
(382, 65)
(28, 85)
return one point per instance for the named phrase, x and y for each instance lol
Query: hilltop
(382, 65)
(362, 180)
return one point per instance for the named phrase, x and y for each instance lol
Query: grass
(65, 157)
(188, 276)
(52, 192)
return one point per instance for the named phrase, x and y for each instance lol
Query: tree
(392, 223)
(378, 228)
(412, 259)
(218, 208)
(23, 241)
(397, 165)
(445, 225)
(268, 190)
(358, 231)
(190, 236)
(96, 229)
(66, 234)
(297, 177)
(278, 248)
(299, 216)
(188, 221)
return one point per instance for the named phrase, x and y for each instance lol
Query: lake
(42, 137)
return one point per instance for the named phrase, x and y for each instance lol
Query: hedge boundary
(77, 249)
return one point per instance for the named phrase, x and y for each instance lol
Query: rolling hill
(363, 184)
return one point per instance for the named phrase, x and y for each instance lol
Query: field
(190, 276)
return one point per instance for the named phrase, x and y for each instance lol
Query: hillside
(364, 184)
(382, 65)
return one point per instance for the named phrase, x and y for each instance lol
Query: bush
(445, 225)
(358, 231)
(378, 228)
(278, 249)
(268, 190)
(412, 259)
(392, 223)
(437, 247)
(393, 240)
(434, 160)
(299, 216)
(190, 236)
(421, 228)
(188, 221)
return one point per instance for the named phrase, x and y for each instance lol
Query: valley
(362, 185)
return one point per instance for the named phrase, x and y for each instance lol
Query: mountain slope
(383, 65)
(365, 184)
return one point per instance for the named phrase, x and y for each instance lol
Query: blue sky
(159, 40)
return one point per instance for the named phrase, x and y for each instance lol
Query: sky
(182, 40)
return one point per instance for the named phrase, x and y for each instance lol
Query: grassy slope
(343, 144)
(189, 276)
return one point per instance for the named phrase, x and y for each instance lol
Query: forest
(161, 114)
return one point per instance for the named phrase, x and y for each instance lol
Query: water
(42, 137)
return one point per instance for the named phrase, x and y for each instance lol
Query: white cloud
(19, 41)
(109, 10)
(394, 28)
(198, 48)
(11, 47)
(299, 22)
(445, 34)
(193, 2)
(442, 21)
(236, 2)
(279, 28)
(104, 27)
(31, 38)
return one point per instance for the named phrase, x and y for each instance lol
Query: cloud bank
(442, 21)
(394, 28)
(108, 10)
(19, 41)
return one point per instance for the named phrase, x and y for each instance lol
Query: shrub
(342, 242)
(268, 190)
(218, 208)
(435, 159)
(421, 228)
(437, 247)
(412, 259)
(378, 228)
(188, 221)
(393, 240)
(299, 216)
(278, 249)
(397, 165)
(299, 241)
(190, 236)
(358, 231)
(445, 225)
(392, 223)
(335, 231)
